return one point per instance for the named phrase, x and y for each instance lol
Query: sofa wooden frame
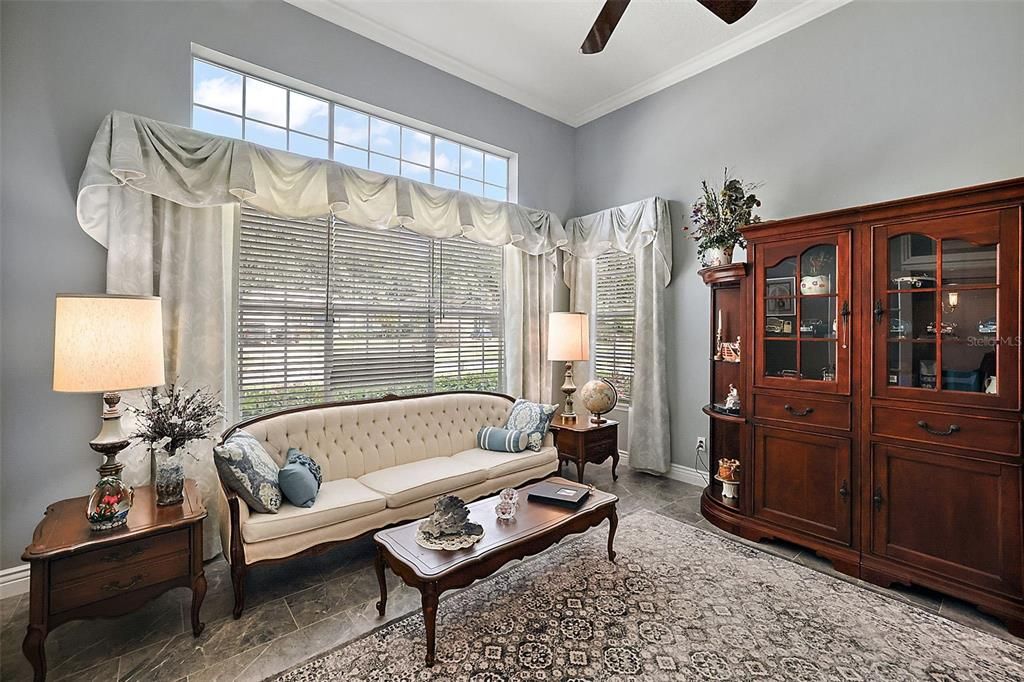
(236, 551)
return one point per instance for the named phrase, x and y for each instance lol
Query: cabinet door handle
(797, 413)
(845, 314)
(844, 492)
(116, 586)
(950, 430)
(879, 311)
(878, 499)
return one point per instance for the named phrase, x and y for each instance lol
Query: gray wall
(871, 102)
(67, 64)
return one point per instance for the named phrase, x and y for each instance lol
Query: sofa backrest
(349, 440)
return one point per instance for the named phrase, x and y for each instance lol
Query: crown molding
(748, 40)
(347, 18)
(336, 13)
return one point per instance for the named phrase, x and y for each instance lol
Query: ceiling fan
(729, 11)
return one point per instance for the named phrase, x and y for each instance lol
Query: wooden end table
(582, 441)
(536, 527)
(80, 573)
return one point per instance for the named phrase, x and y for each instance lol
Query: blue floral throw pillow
(534, 418)
(250, 471)
(300, 479)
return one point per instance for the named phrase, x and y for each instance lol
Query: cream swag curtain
(164, 202)
(644, 230)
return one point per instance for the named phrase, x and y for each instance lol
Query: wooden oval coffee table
(536, 527)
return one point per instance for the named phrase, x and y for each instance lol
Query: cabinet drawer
(123, 579)
(953, 430)
(105, 561)
(800, 410)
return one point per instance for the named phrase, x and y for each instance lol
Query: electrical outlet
(702, 444)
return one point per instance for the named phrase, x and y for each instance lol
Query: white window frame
(222, 60)
(625, 401)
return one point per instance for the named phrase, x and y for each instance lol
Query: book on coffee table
(561, 493)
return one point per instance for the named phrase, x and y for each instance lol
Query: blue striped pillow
(498, 439)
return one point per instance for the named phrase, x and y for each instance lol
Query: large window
(614, 318)
(328, 311)
(233, 104)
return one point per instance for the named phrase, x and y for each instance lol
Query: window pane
(967, 263)
(473, 187)
(268, 136)
(415, 146)
(216, 123)
(351, 127)
(615, 304)
(496, 170)
(446, 155)
(446, 180)
(216, 87)
(384, 137)
(309, 146)
(383, 164)
(492, 192)
(350, 156)
(472, 163)
(414, 172)
(307, 114)
(912, 261)
(266, 102)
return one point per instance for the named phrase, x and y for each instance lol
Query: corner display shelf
(728, 435)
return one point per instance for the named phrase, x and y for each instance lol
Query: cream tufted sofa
(383, 462)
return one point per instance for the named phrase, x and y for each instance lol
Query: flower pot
(715, 257)
(170, 479)
(815, 284)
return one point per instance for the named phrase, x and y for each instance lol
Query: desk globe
(599, 397)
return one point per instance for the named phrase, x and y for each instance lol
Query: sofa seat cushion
(415, 481)
(498, 464)
(337, 501)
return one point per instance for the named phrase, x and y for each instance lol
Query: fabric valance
(628, 228)
(197, 169)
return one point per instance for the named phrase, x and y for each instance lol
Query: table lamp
(568, 341)
(106, 344)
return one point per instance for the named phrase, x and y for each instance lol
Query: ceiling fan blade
(602, 29)
(729, 11)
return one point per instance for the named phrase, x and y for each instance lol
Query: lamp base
(568, 388)
(111, 499)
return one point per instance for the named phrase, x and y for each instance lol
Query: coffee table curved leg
(430, 618)
(379, 564)
(613, 523)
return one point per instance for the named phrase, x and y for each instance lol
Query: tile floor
(300, 608)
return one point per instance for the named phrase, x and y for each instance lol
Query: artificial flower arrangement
(718, 216)
(170, 419)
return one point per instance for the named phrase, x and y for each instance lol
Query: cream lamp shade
(107, 343)
(568, 337)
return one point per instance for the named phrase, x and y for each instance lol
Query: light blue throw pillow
(534, 418)
(249, 470)
(501, 440)
(300, 479)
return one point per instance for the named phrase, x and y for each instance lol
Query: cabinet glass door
(946, 312)
(803, 314)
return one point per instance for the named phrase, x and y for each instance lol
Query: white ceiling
(528, 50)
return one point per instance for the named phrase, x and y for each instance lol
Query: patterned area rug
(679, 604)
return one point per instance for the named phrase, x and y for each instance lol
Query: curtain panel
(644, 230)
(163, 200)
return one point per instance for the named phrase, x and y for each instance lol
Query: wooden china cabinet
(884, 427)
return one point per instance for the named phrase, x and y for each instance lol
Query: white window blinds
(330, 312)
(613, 321)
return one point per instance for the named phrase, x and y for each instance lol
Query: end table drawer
(102, 561)
(118, 581)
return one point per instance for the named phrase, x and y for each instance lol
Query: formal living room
(505, 340)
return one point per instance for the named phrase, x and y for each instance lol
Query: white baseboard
(14, 581)
(677, 472)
